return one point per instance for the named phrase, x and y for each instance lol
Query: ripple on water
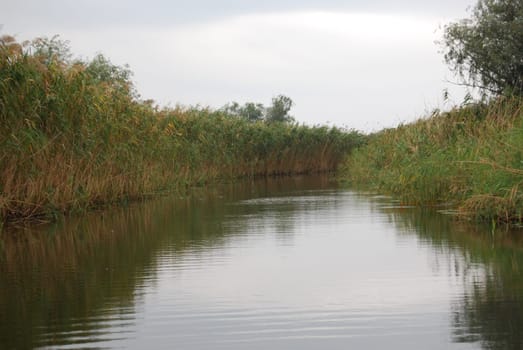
(328, 269)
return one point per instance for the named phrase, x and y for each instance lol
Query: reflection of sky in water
(341, 274)
(285, 269)
(334, 258)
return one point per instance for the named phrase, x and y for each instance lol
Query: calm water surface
(284, 264)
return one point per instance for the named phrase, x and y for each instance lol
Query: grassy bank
(75, 134)
(470, 158)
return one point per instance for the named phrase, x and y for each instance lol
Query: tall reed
(469, 157)
(75, 134)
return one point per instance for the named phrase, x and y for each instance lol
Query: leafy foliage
(486, 51)
(278, 112)
(249, 111)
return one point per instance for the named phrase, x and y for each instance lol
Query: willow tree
(486, 50)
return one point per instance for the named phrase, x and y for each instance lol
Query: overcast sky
(364, 64)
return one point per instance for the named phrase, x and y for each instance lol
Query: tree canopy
(277, 112)
(486, 50)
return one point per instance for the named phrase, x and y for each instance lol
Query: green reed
(74, 135)
(469, 158)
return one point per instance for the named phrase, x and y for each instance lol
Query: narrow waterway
(281, 264)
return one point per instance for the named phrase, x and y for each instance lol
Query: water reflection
(490, 309)
(79, 281)
(278, 264)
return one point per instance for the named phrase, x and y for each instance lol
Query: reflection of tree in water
(72, 282)
(491, 309)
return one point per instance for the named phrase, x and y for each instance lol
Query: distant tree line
(278, 112)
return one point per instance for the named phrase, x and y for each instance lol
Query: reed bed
(469, 158)
(75, 134)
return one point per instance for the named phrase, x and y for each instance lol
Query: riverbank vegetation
(75, 134)
(469, 158)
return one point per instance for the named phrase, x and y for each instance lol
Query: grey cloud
(37, 14)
